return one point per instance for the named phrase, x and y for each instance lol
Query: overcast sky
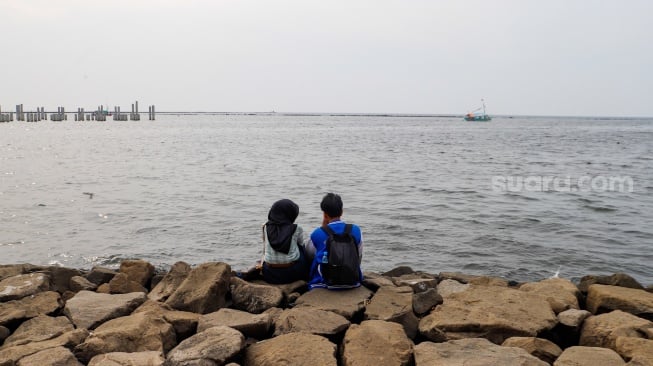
(553, 57)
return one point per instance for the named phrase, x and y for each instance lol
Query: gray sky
(553, 57)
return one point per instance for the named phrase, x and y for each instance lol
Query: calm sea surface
(197, 188)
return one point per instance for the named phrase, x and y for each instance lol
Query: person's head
(283, 211)
(331, 205)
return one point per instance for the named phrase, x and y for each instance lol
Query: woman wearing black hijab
(285, 255)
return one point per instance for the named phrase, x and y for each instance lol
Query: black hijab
(280, 226)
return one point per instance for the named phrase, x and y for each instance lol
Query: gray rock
(17, 287)
(449, 287)
(11, 354)
(419, 282)
(100, 275)
(589, 356)
(617, 279)
(604, 298)
(394, 304)
(314, 321)
(79, 283)
(57, 356)
(121, 284)
(213, 346)
(424, 302)
(30, 307)
(204, 290)
(138, 271)
(376, 343)
(399, 271)
(60, 277)
(543, 349)
(492, 312)
(254, 298)
(134, 333)
(38, 329)
(292, 349)
(170, 282)
(89, 309)
(251, 325)
(346, 302)
(472, 352)
(147, 358)
(573, 318)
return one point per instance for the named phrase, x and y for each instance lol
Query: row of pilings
(100, 114)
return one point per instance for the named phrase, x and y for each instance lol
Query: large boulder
(184, 322)
(472, 352)
(491, 312)
(147, 358)
(133, 333)
(89, 309)
(346, 302)
(617, 279)
(38, 329)
(603, 330)
(11, 270)
(57, 356)
(254, 298)
(449, 287)
(573, 318)
(314, 321)
(637, 350)
(561, 293)
(374, 281)
(292, 349)
(394, 304)
(60, 277)
(17, 287)
(79, 283)
(605, 298)
(30, 307)
(100, 275)
(122, 284)
(138, 271)
(170, 282)
(204, 290)
(11, 354)
(424, 302)
(213, 346)
(251, 325)
(543, 349)
(376, 343)
(589, 356)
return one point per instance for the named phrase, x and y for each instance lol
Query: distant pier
(99, 114)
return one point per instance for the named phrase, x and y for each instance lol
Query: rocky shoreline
(205, 315)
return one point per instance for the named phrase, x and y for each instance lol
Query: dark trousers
(296, 272)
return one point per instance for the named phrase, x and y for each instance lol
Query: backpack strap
(328, 230)
(347, 229)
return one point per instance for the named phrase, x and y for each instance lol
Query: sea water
(518, 197)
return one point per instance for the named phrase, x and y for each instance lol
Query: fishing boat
(478, 117)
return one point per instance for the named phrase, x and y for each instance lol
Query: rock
(292, 349)
(346, 302)
(589, 356)
(138, 271)
(394, 304)
(559, 292)
(29, 307)
(121, 284)
(184, 322)
(204, 290)
(543, 349)
(472, 352)
(314, 321)
(170, 282)
(286, 288)
(11, 354)
(254, 298)
(11, 270)
(573, 318)
(635, 349)
(604, 298)
(376, 343)
(60, 277)
(133, 333)
(214, 346)
(79, 283)
(4, 333)
(491, 312)
(17, 287)
(38, 329)
(419, 282)
(375, 281)
(603, 330)
(274, 314)
(617, 279)
(89, 309)
(424, 302)
(449, 287)
(57, 356)
(473, 280)
(147, 358)
(399, 271)
(100, 275)
(251, 325)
